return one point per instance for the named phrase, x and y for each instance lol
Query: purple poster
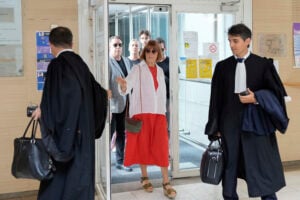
(296, 32)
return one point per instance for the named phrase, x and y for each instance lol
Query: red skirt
(151, 145)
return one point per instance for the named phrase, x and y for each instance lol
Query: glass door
(200, 33)
(126, 21)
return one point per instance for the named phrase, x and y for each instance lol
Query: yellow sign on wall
(205, 68)
(191, 68)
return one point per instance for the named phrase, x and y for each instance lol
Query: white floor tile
(202, 191)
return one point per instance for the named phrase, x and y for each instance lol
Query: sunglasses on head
(117, 44)
(152, 51)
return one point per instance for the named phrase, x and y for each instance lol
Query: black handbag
(31, 160)
(212, 163)
(133, 125)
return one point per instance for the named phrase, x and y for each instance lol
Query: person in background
(164, 64)
(243, 87)
(72, 114)
(134, 52)
(118, 66)
(144, 37)
(148, 103)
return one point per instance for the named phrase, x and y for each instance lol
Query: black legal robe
(69, 125)
(253, 158)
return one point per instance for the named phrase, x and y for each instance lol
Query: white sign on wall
(11, 54)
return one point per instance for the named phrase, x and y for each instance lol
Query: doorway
(201, 25)
(126, 21)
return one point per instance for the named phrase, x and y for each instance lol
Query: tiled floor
(194, 189)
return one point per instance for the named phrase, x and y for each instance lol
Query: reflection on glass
(208, 38)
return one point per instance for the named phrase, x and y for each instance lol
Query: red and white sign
(212, 48)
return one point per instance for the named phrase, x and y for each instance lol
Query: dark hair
(240, 30)
(146, 32)
(152, 44)
(160, 40)
(61, 37)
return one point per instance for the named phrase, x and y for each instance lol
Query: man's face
(163, 48)
(239, 47)
(134, 47)
(115, 48)
(144, 39)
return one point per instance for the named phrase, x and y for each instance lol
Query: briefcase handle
(210, 146)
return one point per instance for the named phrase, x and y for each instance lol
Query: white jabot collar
(240, 84)
(245, 57)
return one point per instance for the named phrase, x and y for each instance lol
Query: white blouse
(151, 101)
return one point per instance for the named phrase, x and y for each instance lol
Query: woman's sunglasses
(153, 51)
(117, 44)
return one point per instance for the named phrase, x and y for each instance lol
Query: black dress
(253, 158)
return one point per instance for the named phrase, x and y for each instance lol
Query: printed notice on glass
(190, 44)
(296, 31)
(205, 68)
(11, 55)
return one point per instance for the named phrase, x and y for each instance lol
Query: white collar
(63, 51)
(245, 57)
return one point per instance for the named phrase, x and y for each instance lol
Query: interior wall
(18, 92)
(277, 17)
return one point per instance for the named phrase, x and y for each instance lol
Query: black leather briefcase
(212, 164)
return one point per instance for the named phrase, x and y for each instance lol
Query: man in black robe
(248, 155)
(72, 114)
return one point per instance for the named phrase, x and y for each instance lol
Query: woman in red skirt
(146, 87)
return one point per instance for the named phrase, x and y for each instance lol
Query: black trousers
(118, 124)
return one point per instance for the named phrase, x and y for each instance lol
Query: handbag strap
(127, 101)
(34, 128)
(24, 134)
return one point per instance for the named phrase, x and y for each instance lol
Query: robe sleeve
(274, 83)
(132, 79)
(212, 126)
(100, 107)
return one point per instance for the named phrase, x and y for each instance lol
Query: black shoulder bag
(31, 160)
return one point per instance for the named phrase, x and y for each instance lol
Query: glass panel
(160, 24)
(201, 45)
(120, 16)
(123, 30)
(139, 22)
(11, 52)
